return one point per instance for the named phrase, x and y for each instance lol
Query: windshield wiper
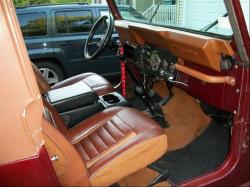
(210, 25)
(156, 10)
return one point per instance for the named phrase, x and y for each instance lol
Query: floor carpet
(195, 144)
(204, 154)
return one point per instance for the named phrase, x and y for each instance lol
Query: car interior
(173, 125)
(191, 134)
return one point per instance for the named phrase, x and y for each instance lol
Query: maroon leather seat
(104, 148)
(99, 84)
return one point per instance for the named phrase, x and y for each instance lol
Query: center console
(71, 97)
(78, 102)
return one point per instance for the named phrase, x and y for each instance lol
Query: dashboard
(198, 61)
(153, 61)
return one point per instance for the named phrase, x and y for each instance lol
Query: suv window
(74, 21)
(126, 12)
(33, 24)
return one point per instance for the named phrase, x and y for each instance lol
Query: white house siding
(181, 10)
(99, 2)
(245, 7)
(142, 5)
(199, 13)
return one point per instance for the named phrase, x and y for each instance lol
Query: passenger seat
(96, 82)
(104, 148)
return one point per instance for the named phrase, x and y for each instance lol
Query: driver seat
(96, 82)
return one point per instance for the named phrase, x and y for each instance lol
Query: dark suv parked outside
(55, 36)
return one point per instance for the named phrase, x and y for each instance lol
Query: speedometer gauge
(155, 61)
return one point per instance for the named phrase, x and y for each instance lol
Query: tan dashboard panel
(125, 35)
(203, 50)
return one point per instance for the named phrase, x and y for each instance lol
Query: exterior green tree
(38, 2)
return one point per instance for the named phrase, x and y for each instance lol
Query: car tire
(51, 71)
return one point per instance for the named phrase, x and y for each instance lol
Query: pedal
(162, 177)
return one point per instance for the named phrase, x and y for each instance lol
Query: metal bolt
(235, 112)
(54, 158)
(237, 91)
(236, 66)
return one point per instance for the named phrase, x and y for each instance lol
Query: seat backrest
(68, 164)
(41, 81)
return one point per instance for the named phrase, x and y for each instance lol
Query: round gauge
(155, 61)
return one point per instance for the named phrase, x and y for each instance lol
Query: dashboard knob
(162, 73)
(167, 75)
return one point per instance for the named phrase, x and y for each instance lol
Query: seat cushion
(99, 84)
(117, 142)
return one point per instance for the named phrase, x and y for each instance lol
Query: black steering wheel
(106, 35)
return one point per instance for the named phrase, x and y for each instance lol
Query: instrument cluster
(158, 62)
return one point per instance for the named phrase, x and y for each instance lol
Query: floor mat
(182, 114)
(204, 154)
(187, 120)
(195, 144)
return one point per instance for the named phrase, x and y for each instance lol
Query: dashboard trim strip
(204, 77)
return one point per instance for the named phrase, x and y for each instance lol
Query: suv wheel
(52, 72)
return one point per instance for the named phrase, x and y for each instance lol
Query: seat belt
(123, 69)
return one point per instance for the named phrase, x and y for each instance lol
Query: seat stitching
(109, 133)
(82, 150)
(92, 142)
(106, 145)
(82, 136)
(88, 146)
(125, 122)
(111, 121)
(91, 137)
(92, 161)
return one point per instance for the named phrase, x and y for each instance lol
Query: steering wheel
(105, 37)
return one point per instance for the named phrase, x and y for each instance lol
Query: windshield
(205, 16)
(131, 14)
